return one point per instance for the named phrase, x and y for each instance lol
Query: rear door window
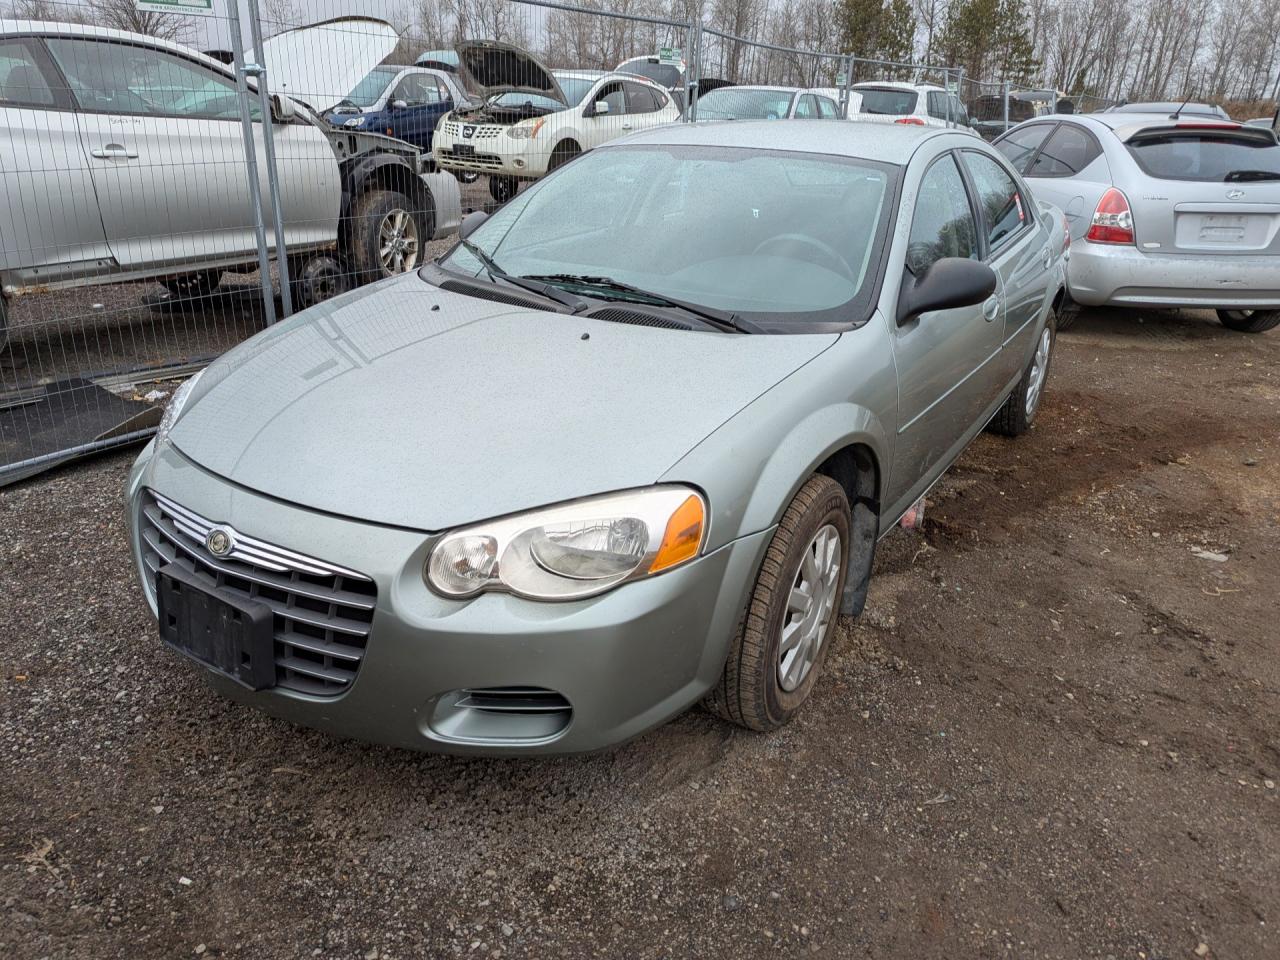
(1019, 147)
(1003, 210)
(639, 98)
(1066, 153)
(807, 108)
(1207, 155)
(828, 108)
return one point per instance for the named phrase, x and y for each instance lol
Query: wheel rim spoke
(810, 606)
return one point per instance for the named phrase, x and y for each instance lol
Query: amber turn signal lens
(683, 536)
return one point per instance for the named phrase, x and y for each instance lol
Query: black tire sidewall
(503, 189)
(832, 508)
(4, 322)
(1258, 321)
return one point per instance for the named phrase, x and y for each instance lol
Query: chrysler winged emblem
(220, 541)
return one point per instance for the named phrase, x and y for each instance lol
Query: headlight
(174, 409)
(526, 129)
(572, 551)
(355, 122)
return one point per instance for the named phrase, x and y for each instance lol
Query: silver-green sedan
(627, 447)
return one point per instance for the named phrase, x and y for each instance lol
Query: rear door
(49, 221)
(642, 106)
(1015, 248)
(1204, 189)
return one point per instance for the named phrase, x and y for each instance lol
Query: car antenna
(1176, 114)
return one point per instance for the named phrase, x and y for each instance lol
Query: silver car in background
(628, 446)
(1165, 210)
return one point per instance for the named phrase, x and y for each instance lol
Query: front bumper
(496, 151)
(1113, 275)
(625, 661)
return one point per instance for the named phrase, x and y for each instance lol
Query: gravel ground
(1055, 732)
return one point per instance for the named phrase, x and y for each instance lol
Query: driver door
(945, 374)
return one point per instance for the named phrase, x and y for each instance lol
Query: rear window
(1207, 155)
(889, 102)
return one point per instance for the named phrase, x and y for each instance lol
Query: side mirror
(282, 108)
(469, 223)
(398, 104)
(600, 109)
(949, 283)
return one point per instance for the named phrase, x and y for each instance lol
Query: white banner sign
(190, 8)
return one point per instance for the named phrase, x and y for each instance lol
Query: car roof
(9, 27)
(1169, 106)
(752, 86)
(887, 143)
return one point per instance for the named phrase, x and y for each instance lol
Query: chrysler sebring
(628, 446)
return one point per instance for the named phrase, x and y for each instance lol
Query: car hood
(408, 405)
(489, 68)
(320, 64)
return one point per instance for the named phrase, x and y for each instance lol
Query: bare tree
(125, 15)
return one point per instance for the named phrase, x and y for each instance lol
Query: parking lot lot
(1053, 733)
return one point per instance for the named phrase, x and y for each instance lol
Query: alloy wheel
(398, 242)
(1039, 370)
(810, 606)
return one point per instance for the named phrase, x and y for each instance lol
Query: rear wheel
(503, 189)
(193, 284)
(1249, 321)
(389, 233)
(1019, 411)
(1068, 312)
(777, 655)
(316, 279)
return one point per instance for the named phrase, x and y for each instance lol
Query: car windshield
(1207, 155)
(575, 91)
(781, 239)
(368, 90)
(733, 103)
(887, 101)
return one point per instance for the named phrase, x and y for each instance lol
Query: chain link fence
(162, 198)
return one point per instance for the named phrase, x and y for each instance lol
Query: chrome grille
(322, 612)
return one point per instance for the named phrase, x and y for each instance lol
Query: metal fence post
(251, 159)
(1006, 105)
(269, 151)
(847, 65)
(694, 70)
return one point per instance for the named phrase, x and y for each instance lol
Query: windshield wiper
(723, 319)
(1238, 176)
(495, 272)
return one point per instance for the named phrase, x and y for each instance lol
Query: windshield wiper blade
(724, 319)
(1238, 176)
(495, 272)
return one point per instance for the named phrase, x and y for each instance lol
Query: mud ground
(1054, 733)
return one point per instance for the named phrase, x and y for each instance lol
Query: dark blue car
(402, 102)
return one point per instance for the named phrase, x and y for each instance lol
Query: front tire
(1249, 321)
(315, 279)
(1019, 411)
(562, 154)
(466, 176)
(786, 631)
(389, 234)
(503, 189)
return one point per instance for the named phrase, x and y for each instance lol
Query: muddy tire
(193, 284)
(1249, 321)
(4, 323)
(1019, 411)
(777, 655)
(389, 234)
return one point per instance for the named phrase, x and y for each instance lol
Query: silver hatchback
(1165, 210)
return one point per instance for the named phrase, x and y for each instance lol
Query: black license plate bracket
(230, 634)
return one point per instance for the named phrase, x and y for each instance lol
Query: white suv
(916, 103)
(532, 120)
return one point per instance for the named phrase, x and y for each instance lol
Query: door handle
(991, 309)
(114, 150)
(626, 126)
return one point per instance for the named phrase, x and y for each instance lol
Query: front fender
(753, 465)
